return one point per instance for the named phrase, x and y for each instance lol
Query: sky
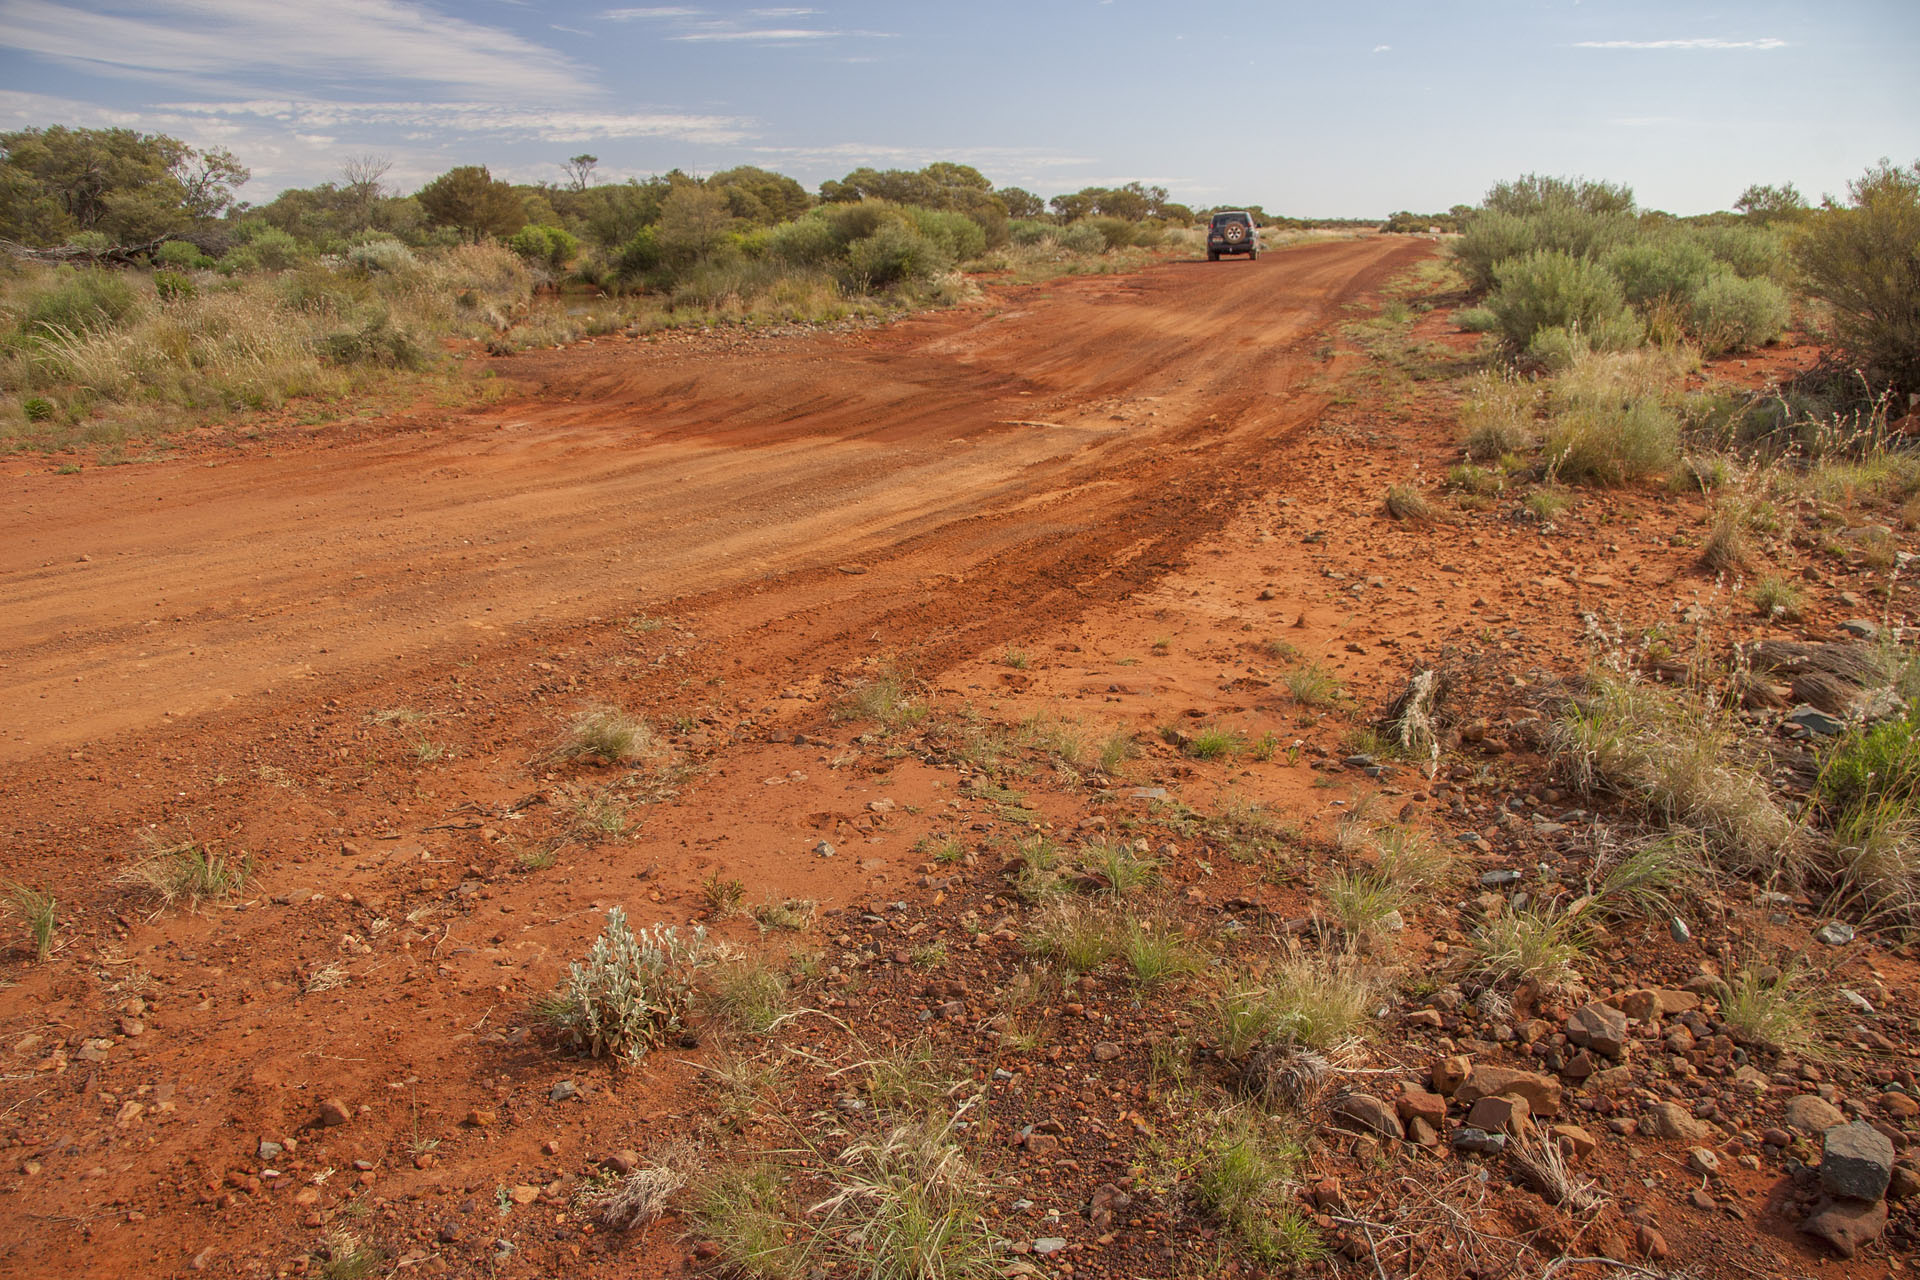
(1327, 109)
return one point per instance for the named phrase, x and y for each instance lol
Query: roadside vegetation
(158, 301)
(1601, 323)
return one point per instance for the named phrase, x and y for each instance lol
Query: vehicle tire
(1213, 255)
(1234, 232)
(1253, 255)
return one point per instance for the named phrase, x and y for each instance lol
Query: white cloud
(855, 154)
(1767, 43)
(1383, 48)
(548, 124)
(766, 33)
(697, 26)
(273, 42)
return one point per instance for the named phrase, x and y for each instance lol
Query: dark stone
(1856, 1162)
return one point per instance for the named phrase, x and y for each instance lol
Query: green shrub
(1118, 233)
(1476, 319)
(90, 241)
(551, 246)
(851, 222)
(1494, 238)
(177, 253)
(1612, 444)
(1731, 313)
(1028, 231)
(1082, 237)
(804, 242)
(891, 255)
(1751, 252)
(383, 255)
(274, 249)
(1863, 261)
(39, 409)
(235, 262)
(172, 286)
(632, 991)
(80, 301)
(1609, 421)
(1549, 288)
(376, 342)
(1869, 764)
(1659, 268)
(959, 237)
(639, 258)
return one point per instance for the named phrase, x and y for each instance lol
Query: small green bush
(632, 991)
(39, 409)
(893, 254)
(1493, 239)
(1659, 268)
(959, 237)
(173, 286)
(1476, 319)
(80, 301)
(1863, 261)
(639, 258)
(1118, 233)
(1753, 253)
(1082, 237)
(383, 255)
(1028, 231)
(1551, 288)
(376, 342)
(804, 242)
(1612, 444)
(274, 249)
(1731, 313)
(550, 246)
(177, 254)
(1496, 416)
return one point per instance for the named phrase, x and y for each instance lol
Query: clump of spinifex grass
(37, 910)
(1674, 754)
(889, 698)
(605, 734)
(1244, 1178)
(1780, 1009)
(189, 872)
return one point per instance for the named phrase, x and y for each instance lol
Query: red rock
(1848, 1224)
(1541, 1092)
(1575, 1141)
(1414, 1101)
(333, 1112)
(1367, 1114)
(1501, 1113)
(1450, 1073)
(1652, 1244)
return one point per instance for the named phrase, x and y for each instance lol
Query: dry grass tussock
(1675, 756)
(643, 1195)
(215, 346)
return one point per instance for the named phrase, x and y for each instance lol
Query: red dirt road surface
(1057, 438)
(260, 649)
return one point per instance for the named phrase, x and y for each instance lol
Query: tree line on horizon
(96, 189)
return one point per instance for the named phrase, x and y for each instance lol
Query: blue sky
(1311, 109)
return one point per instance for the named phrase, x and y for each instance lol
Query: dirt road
(700, 528)
(633, 473)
